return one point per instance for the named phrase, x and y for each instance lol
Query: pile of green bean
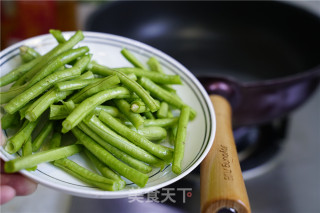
(121, 118)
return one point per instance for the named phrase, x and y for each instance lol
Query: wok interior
(249, 41)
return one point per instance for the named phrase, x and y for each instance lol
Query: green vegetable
(44, 133)
(19, 101)
(16, 74)
(120, 142)
(180, 139)
(163, 110)
(162, 122)
(87, 176)
(58, 112)
(30, 161)
(59, 61)
(61, 48)
(153, 133)
(27, 150)
(149, 115)
(131, 58)
(160, 151)
(28, 54)
(57, 34)
(75, 84)
(154, 65)
(154, 76)
(104, 170)
(36, 65)
(43, 102)
(120, 115)
(164, 95)
(130, 84)
(131, 161)
(102, 84)
(50, 97)
(15, 142)
(124, 107)
(55, 141)
(138, 106)
(86, 106)
(126, 171)
(10, 120)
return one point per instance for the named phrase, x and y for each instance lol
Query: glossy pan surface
(263, 56)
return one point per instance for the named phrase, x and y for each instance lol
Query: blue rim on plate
(106, 50)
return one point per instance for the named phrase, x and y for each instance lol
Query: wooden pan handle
(221, 180)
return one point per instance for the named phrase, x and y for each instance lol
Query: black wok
(263, 56)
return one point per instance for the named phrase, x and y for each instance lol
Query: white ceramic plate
(106, 50)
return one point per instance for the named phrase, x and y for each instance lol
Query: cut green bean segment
(58, 112)
(138, 106)
(120, 142)
(43, 60)
(103, 186)
(153, 133)
(124, 107)
(154, 65)
(87, 174)
(163, 110)
(131, 58)
(126, 171)
(57, 62)
(86, 75)
(132, 85)
(132, 76)
(28, 54)
(47, 100)
(164, 95)
(27, 150)
(149, 115)
(102, 84)
(103, 169)
(11, 93)
(15, 143)
(78, 36)
(124, 157)
(27, 147)
(180, 139)
(109, 109)
(93, 178)
(55, 141)
(10, 120)
(154, 76)
(137, 89)
(42, 136)
(162, 122)
(57, 34)
(24, 109)
(159, 151)
(169, 89)
(30, 161)
(19, 101)
(86, 106)
(16, 73)
(44, 102)
(75, 84)
(172, 132)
